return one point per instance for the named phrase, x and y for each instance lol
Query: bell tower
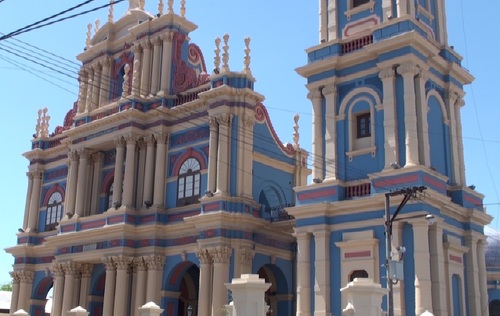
(386, 90)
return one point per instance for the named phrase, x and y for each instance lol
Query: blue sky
(280, 32)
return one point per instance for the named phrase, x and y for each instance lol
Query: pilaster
(15, 290)
(421, 253)
(322, 273)
(332, 21)
(161, 161)
(155, 271)
(27, 206)
(317, 135)
(303, 279)
(98, 159)
(136, 76)
(140, 270)
(390, 120)
(118, 177)
(472, 270)
(205, 282)
(221, 258)
(149, 169)
(122, 295)
(245, 155)
(35, 200)
(423, 126)
(483, 286)
(330, 93)
(90, 88)
(82, 91)
(129, 177)
(26, 278)
(212, 156)
(223, 160)
(96, 82)
(155, 77)
(166, 66)
(58, 292)
(71, 270)
(81, 188)
(146, 67)
(109, 289)
(438, 269)
(86, 273)
(452, 98)
(105, 83)
(70, 198)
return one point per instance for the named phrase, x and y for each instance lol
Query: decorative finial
(97, 24)
(225, 54)
(170, 5)
(217, 56)
(133, 4)
(89, 34)
(135, 77)
(183, 8)
(160, 7)
(44, 131)
(296, 135)
(38, 128)
(246, 59)
(111, 11)
(126, 85)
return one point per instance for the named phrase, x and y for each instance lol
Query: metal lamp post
(390, 275)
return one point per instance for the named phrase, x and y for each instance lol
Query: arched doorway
(184, 280)
(277, 296)
(495, 308)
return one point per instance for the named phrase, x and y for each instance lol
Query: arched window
(188, 183)
(358, 274)
(54, 211)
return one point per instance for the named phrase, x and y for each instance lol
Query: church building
(167, 180)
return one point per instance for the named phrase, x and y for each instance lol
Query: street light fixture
(394, 268)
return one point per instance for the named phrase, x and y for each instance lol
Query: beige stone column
(150, 168)
(205, 291)
(146, 68)
(224, 122)
(390, 118)
(139, 182)
(96, 86)
(323, 21)
(71, 269)
(81, 188)
(86, 273)
(472, 270)
(155, 77)
(105, 81)
(90, 88)
(166, 66)
(140, 286)
(15, 291)
(408, 72)
(155, 272)
(483, 285)
(441, 22)
(58, 292)
(423, 126)
(423, 289)
(221, 257)
(28, 199)
(70, 199)
(458, 119)
(451, 99)
(122, 295)
(330, 93)
(129, 178)
(136, 77)
(35, 200)
(438, 269)
(303, 279)
(82, 91)
(332, 20)
(160, 167)
(118, 178)
(98, 159)
(387, 14)
(212, 154)
(245, 156)
(25, 287)
(317, 135)
(109, 286)
(322, 272)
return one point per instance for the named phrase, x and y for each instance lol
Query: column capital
(149, 140)
(408, 69)
(168, 36)
(224, 119)
(146, 44)
(155, 262)
(108, 263)
(329, 89)
(35, 174)
(130, 139)
(386, 73)
(119, 142)
(220, 254)
(157, 41)
(86, 270)
(141, 143)
(139, 264)
(15, 277)
(161, 138)
(26, 276)
(204, 256)
(212, 122)
(248, 120)
(137, 48)
(71, 268)
(314, 94)
(57, 269)
(97, 157)
(84, 153)
(122, 262)
(73, 155)
(246, 255)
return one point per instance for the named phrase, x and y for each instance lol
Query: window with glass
(363, 125)
(54, 211)
(357, 3)
(188, 183)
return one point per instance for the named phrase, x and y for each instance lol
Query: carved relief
(315, 94)
(386, 73)
(329, 89)
(408, 69)
(204, 256)
(220, 254)
(155, 262)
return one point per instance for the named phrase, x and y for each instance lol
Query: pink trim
(370, 21)
(395, 181)
(52, 190)
(457, 259)
(357, 254)
(316, 194)
(432, 181)
(473, 200)
(261, 115)
(190, 153)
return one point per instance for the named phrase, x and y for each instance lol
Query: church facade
(167, 180)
